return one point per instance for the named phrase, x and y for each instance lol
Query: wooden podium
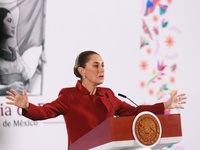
(117, 133)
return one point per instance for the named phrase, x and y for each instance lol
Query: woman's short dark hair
(81, 60)
(3, 14)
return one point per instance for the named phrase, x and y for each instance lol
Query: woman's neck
(91, 88)
(4, 45)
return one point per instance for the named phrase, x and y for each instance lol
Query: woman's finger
(25, 93)
(10, 103)
(14, 92)
(10, 93)
(10, 98)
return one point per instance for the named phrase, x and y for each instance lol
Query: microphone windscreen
(122, 95)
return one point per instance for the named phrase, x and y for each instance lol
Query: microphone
(116, 114)
(124, 96)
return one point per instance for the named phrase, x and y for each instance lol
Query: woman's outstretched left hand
(176, 101)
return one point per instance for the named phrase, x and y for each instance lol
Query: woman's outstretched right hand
(18, 100)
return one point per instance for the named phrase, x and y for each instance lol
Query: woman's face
(8, 26)
(94, 70)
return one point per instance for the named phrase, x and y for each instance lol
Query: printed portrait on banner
(22, 54)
